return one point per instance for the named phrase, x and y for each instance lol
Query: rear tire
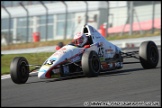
(19, 70)
(91, 64)
(148, 54)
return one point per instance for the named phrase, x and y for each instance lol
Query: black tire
(19, 70)
(148, 54)
(91, 64)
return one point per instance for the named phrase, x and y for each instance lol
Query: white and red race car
(102, 55)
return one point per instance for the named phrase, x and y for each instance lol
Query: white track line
(8, 75)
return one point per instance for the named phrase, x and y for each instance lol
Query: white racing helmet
(80, 39)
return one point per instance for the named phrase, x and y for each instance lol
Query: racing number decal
(101, 52)
(49, 62)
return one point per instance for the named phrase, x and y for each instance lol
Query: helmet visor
(79, 40)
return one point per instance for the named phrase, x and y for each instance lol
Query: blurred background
(34, 21)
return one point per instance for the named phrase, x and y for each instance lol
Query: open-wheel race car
(89, 60)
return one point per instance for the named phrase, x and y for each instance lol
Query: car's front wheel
(19, 70)
(91, 64)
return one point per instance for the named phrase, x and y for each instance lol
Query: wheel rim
(23, 70)
(95, 63)
(153, 55)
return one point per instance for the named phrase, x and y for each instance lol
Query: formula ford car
(100, 56)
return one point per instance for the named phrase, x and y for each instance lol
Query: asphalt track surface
(130, 84)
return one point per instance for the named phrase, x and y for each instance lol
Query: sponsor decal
(102, 59)
(119, 64)
(100, 43)
(110, 65)
(66, 69)
(60, 52)
(110, 50)
(45, 67)
(55, 71)
(57, 65)
(104, 65)
(97, 37)
(42, 70)
(101, 52)
(53, 58)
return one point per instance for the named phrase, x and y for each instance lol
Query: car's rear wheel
(19, 70)
(148, 54)
(91, 64)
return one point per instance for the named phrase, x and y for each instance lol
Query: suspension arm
(130, 54)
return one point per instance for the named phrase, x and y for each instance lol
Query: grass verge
(33, 58)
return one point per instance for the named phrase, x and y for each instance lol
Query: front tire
(19, 70)
(148, 54)
(91, 64)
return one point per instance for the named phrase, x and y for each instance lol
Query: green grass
(33, 58)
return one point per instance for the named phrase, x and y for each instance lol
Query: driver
(81, 40)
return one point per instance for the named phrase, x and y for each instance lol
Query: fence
(138, 17)
(122, 17)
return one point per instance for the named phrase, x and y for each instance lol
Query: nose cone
(41, 75)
